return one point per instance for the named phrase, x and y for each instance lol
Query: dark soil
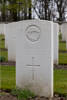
(60, 67)
(10, 63)
(62, 51)
(63, 41)
(3, 49)
(8, 96)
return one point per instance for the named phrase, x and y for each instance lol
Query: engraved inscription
(33, 33)
(33, 67)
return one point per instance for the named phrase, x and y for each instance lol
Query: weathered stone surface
(34, 57)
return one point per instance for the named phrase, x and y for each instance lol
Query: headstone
(66, 42)
(34, 57)
(64, 31)
(56, 41)
(6, 35)
(10, 40)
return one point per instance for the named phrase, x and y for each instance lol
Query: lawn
(60, 81)
(62, 46)
(2, 45)
(62, 58)
(7, 77)
(62, 55)
(4, 54)
(8, 74)
(2, 41)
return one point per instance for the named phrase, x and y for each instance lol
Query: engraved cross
(33, 67)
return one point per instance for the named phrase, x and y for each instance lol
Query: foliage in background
(55, 10)
(11, 9)
(15, 10)
(61, 9)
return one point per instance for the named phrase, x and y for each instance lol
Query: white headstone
(10, 40)
(6, 35)
(56, 41)
(66, 42)
(64, 31)
(34, 57)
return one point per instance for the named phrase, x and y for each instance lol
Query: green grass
(2, 42)
(62, 58)
(2, 45)
(2, 36)
(60, 81)
(62, 46)
(7, 77)
(4, 54)
(22, 94)
(60, 36)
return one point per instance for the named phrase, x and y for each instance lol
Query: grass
(4, 54)
(2, 42)
(7, 77)
(60, 81)
(62, 58)
(2, 45)
(24, 94)
(1, 37)
(62, 46)
(60, 36)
